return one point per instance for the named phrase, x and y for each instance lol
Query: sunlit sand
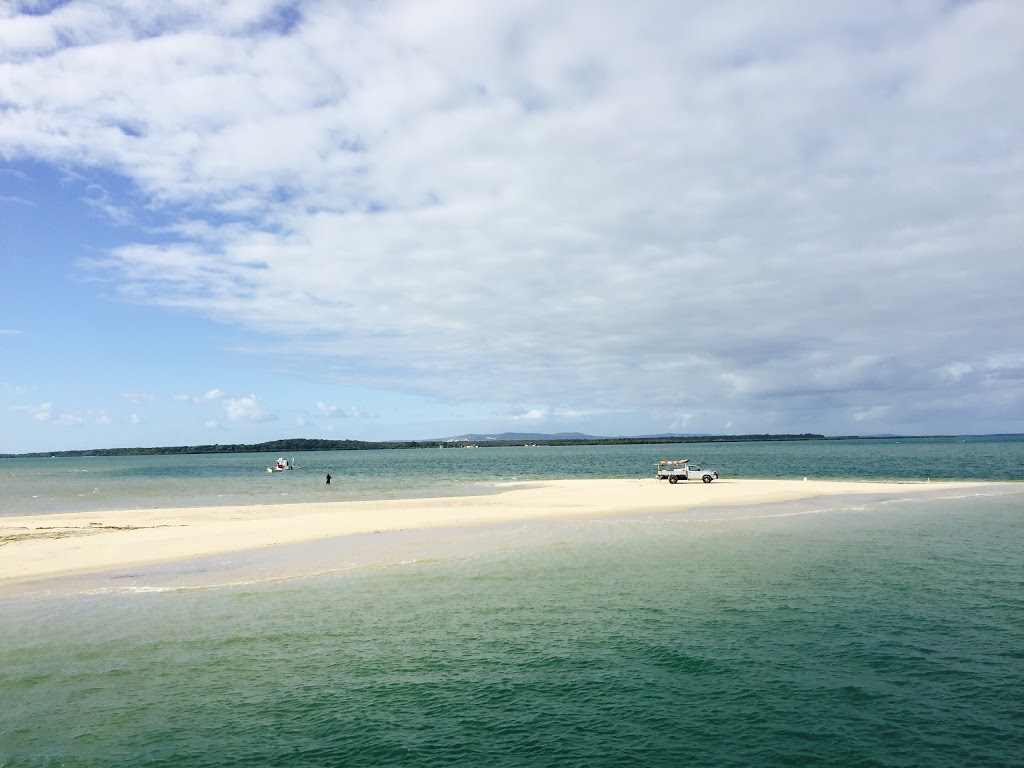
(45, 546)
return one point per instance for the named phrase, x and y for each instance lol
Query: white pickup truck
(683, 470)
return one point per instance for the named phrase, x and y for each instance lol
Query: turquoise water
(860, 631)
(885, 633)
(39, 486)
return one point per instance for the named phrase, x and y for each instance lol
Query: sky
(231, 221)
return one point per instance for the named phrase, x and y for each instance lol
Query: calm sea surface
(866, 631)
(39, 486)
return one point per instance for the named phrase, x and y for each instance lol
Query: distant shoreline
(305, 445)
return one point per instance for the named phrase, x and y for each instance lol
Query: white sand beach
(46, 546)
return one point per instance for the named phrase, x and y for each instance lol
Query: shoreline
(40, 547)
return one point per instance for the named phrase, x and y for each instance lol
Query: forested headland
(298, 445)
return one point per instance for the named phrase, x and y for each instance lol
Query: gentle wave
(881, 632)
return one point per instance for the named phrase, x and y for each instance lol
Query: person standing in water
(328, 478)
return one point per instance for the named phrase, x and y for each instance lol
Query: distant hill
(287, 446)
(276, 446)
(534, 437)
(518, 436)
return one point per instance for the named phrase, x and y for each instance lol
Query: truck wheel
(673, 479)
(706, 478)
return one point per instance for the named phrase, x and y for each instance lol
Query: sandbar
(46, 546)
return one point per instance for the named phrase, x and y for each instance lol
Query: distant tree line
(296, 445)
(661, 440)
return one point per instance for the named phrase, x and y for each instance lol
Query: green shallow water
(41, 486)
(884, 633)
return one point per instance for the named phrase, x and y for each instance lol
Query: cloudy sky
(240, 220)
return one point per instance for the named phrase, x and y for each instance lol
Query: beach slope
(46, 546)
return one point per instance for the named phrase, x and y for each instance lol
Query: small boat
(282, 465)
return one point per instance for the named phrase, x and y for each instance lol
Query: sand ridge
(44, 546)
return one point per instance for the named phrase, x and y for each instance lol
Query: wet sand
(48, 546)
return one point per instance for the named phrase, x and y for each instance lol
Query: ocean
(859, 631)
(46, 485)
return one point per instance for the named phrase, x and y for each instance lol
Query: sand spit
(46, 546)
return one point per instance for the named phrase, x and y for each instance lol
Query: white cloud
(210, 395)
(681, 421)
(545, 414)
(248, 409)
(327, 410)
(956, 371)
(874, 413)
(137, 398)
(323, 409)
(46, 412)
(756, 212)
(534, 414)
